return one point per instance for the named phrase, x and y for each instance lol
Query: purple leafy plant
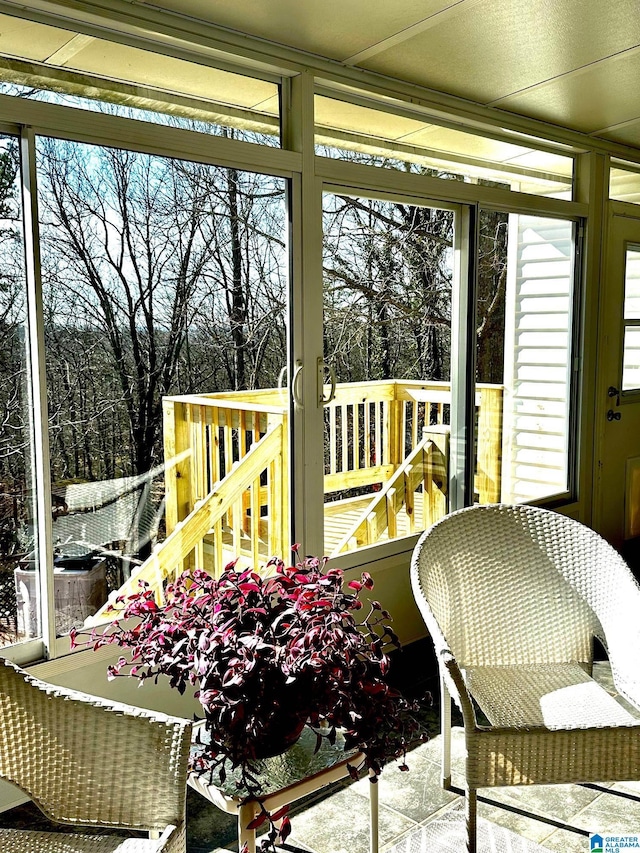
(267, 655)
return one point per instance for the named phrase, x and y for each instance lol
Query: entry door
(618, 475)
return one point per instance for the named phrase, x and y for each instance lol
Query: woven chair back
(510, 585)
(84, 760)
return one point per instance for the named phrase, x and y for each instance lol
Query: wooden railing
(372, 427)
(226, 487)
(386, 453)
(425, 468)
(213, 435)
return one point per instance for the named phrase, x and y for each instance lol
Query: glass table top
(279, 772)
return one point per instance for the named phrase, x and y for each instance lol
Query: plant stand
(288, 777)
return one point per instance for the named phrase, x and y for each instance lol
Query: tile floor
(557, 817)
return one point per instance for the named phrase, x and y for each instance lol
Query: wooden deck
(339, 518)
(227, 472)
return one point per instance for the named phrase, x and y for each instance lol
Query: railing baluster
(215, 444)
(356, 436)
(333, 462)
(427, 485)
(415, 417)
(372, 529)
(237, 516)
(409, 497)
(228, 442)
(344, 426)
(202, 452)
(217, 548)
(255, 523)
(242, 434)
(392, 518)
(275, 508)
(244, 446)
(404, 428)
(208, 435)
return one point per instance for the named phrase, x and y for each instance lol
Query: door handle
(613, 416)
(295, 387)
(322, 400)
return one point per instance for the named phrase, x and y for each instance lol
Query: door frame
(308, 422)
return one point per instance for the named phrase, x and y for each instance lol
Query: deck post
(177, 455)
(436, 473)
(396, 433)
(488, 475)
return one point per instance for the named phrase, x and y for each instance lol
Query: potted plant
(268, 655)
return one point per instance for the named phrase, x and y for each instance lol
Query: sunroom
(319, 276)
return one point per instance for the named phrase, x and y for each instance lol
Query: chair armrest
(455, 682)
(173, 839)
(89, 761)
(624, 654)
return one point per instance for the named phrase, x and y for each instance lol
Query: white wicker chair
(89, 762)
(512, 597)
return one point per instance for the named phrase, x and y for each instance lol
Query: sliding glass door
(20, 612)
(390, 275)
(447, 368)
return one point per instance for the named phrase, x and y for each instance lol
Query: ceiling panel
(629, 134)
(31, 41)
(458, 142)
(336, 29)
(344, 116)
(494, 48)
(165, 72)
(597, 97)
(21, 39)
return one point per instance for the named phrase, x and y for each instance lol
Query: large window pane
(19, 601)
(417, 144)
(388, 271)
(161, 277)
(46, 63)
(624, 182)
(524, 355)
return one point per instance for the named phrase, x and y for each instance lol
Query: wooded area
(163, 276)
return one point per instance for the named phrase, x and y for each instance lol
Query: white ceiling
(572, 63)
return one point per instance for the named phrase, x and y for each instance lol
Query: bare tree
(492, 284)
(161, 276)
(14, 401)
(387, 289)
